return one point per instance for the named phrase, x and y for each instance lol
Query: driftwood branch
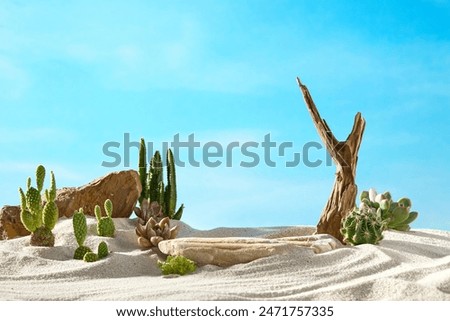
(345, 156)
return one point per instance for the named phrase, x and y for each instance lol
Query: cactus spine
(105, 225)
(37, 219)
(153, 187)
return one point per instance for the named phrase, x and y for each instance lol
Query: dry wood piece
(345, 156)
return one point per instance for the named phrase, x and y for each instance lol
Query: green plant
(80, 231)
(105, 225)
(177, 265)
(90, 257)
(396, 214)
(36, 218)
(153, 187)
(363, 225)
(152, 233)
(102, 250)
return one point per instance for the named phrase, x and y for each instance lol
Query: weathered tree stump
(345, 156)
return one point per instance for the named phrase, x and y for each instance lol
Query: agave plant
(152, 226)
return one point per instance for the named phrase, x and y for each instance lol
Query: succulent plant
(147, 210)
(396, 214)
(177, 265)
(105, 225)
(90, 257)
(80, 231)
(36, 218)
(153, 232)
(363, 225)
(102, 250)
(153, 187)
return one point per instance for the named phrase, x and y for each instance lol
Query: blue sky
(75, 75)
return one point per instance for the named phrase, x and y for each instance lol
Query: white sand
(405, 266)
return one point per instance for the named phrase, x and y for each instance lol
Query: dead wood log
(345, 156)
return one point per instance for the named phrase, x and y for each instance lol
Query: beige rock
(229, 251)
(10, 224)
(122, 188)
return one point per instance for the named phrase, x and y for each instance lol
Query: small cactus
(36, 218)
(80, 231)
(363, 225)
(102, 250)
(105, 225)
(90, 257)
(80, 252)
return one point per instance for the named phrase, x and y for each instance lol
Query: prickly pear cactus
(105, 225)
(80, 252)
(90, 257)
(36, 218)
(102, 250)
(79, 226)
(363, 225)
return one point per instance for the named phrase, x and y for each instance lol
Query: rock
(122, 188)
(229, 251)
(10, 224)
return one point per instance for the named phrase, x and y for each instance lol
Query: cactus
(36, 218)
(143, 171)
(80, 252)
(153, 187)
(80, 231)
(177, 265)
(90, 257)
(102, 250)
(396, 214)
(150, 234)
(363, 225)
(105, 225)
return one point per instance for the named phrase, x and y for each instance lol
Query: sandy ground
(405, 266)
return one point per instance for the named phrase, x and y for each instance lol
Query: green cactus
(105, 225)
(363, 225)
(80, 231)
(90, 257)
(102, 250)
(143, 171)
(177, 265)
(80, 252)
(153, 187)
(155, 178)
(396, 214)
(36, 218)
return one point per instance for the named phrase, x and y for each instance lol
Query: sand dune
(405, 266)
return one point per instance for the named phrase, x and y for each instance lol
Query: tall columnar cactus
(36, 218)
(363, 225)
(396, 214)
(153, 187)
(105, 225)
(80, 231)
(143, 171)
